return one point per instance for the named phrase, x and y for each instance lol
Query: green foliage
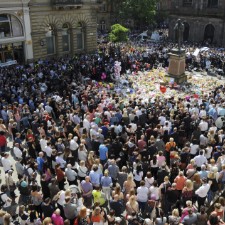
(118, 33)
(141, 11)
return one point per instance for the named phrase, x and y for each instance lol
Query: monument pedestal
(177, 66)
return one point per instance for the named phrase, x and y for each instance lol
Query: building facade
(63, 27)
(204, 20)
(15, 32)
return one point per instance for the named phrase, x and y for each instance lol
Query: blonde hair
(82, 163)
(83, 212)
(6, 219)
(47, 221)
(68, 193)
(189, 203)
(175, 212)
(132, 200)
(189, 184)
(130, 177)
(166, 178)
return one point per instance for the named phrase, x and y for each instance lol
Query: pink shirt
(57, 219)
(161, 160)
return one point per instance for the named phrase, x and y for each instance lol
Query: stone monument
(177, 57)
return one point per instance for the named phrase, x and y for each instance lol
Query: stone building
(15, 32)
(204, 20)
(63, 27)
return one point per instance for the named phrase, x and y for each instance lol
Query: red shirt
(3, 141)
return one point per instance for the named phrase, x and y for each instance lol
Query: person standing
(3, 141)
(6, 162)
(106, 183)
(10, 183)
(71, 175)
(103, 153)
(142, 196)
(87, 189)
(70, 209)
(202, 192)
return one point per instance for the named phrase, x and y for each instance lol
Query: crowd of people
(83, 155)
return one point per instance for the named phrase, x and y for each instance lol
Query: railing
(67, 2)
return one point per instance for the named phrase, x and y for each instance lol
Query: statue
(179, 29)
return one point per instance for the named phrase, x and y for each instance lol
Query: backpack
(26, 173)
(1, 200)
(165, 188)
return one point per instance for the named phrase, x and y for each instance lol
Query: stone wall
(198, 16)
(44, 13)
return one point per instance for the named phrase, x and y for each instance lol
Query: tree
(118, 33)
(141, 11)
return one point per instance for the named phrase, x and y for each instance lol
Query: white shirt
(61, 200)
(73, 145)
(60, 161)
(202, 113)
(149, 182)
(154, 191)
(6, 163)
(193, 149)
(208, 152)
(203, 126)
(200, 160)
(48, 151)
(6, 199)
(142, 194)
(82, 171)
(138, 177)
(86, 124)
(162, 120)
(43, 143)
(82, 155)
(203, 190)
(17, 152)
(70, 174)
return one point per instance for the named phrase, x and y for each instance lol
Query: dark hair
(139, 169)
(214, 220)
(4, 188)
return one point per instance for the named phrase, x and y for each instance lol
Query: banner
(9, 63)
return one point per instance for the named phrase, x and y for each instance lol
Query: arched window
(186, 31)
(10, 26)
(80, 36)
(209, 33)
(50, 40)
(65, 38)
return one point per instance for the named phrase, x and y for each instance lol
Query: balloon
(162, 89)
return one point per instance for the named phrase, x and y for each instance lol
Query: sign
(9, 63)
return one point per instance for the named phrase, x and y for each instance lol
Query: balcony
(67, 4)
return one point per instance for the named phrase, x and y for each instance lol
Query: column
(28, 49)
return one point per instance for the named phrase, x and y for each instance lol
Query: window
(65, 38)
(212, 3)
(50, 41)
(10, 26)
(187, 3)
(103, 25)
(80, 36)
